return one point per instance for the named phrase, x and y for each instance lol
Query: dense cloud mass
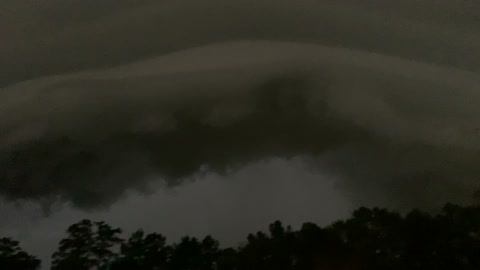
(100, 98)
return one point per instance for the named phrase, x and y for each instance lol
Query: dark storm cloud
(49, 37)
(386, 99)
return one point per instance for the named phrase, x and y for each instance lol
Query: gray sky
(104, 103)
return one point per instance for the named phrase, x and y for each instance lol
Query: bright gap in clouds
(228, 208)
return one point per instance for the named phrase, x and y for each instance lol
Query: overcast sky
(218, 117)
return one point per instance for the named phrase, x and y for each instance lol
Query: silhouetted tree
(89, 245)
(228, 259)
(12, 257)
(282, 245)
(210, 252)
(143, 252)
(190, 254)
(373, 239)
(370, 238)
(256, 253)
(310, 246)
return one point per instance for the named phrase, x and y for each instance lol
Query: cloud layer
(97, 103)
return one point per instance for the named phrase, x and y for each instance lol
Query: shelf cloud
(100, 99)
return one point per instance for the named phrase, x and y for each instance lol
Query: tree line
(370, 239)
